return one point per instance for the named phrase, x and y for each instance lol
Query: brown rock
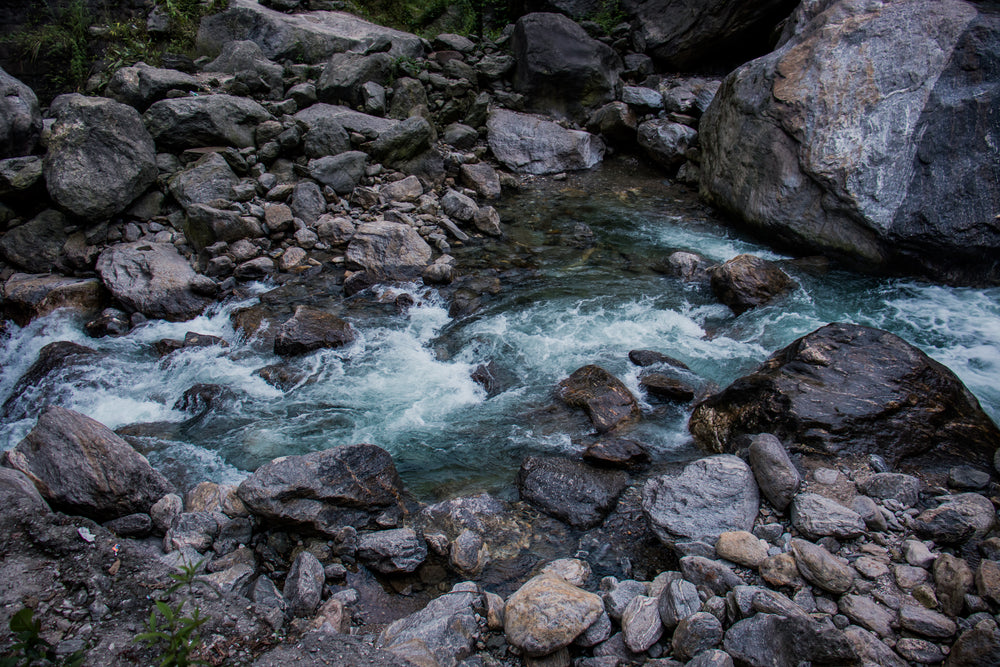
(606, 399)
(547, 614)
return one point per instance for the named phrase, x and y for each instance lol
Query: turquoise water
(568, 298)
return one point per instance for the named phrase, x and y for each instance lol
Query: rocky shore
(846, 511)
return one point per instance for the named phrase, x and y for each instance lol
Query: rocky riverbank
(847, 515)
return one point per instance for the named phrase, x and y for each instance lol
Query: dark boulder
(324, 491)
(666, 142)
(403, 142)
(251, 67)
(80, 466)
(849, 388)
(28, 296)
(55, 357)
(100, 156)
(345, 73)
(20, 117)
(206, 120)
(666, 387)
(747, 281)
(780, 641)
(155, 280)
(571, 491)
(616, 453)
(208, 179)
(684, 34)
(606, 399)
(311, 329)
(884, 156)
(141, 85)
(37, 245)
(388, 249)
(560, 68)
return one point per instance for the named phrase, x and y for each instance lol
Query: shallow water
(569, 298)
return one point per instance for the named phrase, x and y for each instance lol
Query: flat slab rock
(709, 497)
(846, 388)
(574, 492)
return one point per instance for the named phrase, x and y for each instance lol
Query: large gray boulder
(532, 145)
(303, 38)
(666, 142)
(155, 280)
(442, 633)
(251, 67)
(848, 388)
(685, 33)
(345, 73)
(140, 85)
(560, 69)
(886, 155)
(100, 157)
(317, 115)
(709, 497)
(20, 117)
(37, 245)
(207, 120)
(82, 467)
(351, 485)
(388, 249)
(208, 179)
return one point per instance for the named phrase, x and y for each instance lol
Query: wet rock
(82, 467)
(817, 516)
(776, 476)
(311, 329)
(392, 551)
(310, 37)
(202, 397)
(641, 626)
(607, 401)
(442, 633)
(349, 485)
(570, 491)
(956, 519)
(155, 280)
(20, 117)
(904, 489)
(821, 568)
(482, 178)
(709, 497)
(205, 120)
(646, 358)
(741, 547)
(746, 282)
(667, 388)
(868, 391)
(776, 641)
(712, 574)
(252, 68)
(560, 69)
(304, 585)
(616, 453)
(547, 614)
(926, 622)
(30, 296)
(388, 249)
(99, 156)
(141, 85)
(532, 145)
(696, 633)
(57, 357)
(666, 142)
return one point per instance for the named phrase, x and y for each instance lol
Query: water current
(578, 286)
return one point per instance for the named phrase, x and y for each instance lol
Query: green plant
(177, 633)
(60, 37)
(610, 14)
(30, 649)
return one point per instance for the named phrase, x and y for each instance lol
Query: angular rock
(573, 492)
(561, 70)
(619, 595)
(311, 329)
(871, 649)
(251, 67)
(926, 622)
(711, 658)
(342, 172)
(806, 125)
(482, 178)
(304, 585)
(746, 282)
(37, 245)
(20, 117)
(547, 614)
(616, 453)
(349, 119)
(388, 249)
(678, 600)
(458, 206)
(208, 179)
(709, 497)
(978, 646)
(769, 640)
(408, 189)
(194, 530)
(344, 74)
(956, 519)
(206, 120)
(141, 85)
(19, 494)
(848, 388)
(20, 176)
(904, 489)
(325, 136)
(987, 579)
(442, 633)
(531, 145)
(205, 225)
(666, 142)
(868, 614)
(392, 551)
(696, 633)
(713, 574)
(153, 279)
(614, 121)
(780, 570)
(821, 568)
(817, 516)
(403, 142)
(310, 37)
(29, 296)
(99, 157)
(952, 579)
(350, 485)
(774, 471)
(81, 467)
(666, 388)
(606, 399)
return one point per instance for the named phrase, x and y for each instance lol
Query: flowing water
(571, 295)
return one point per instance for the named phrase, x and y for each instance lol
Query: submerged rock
(608, 402)
(311, 329)
(82, 467)
(746, 282)
(848, 388)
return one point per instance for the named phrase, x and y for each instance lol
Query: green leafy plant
(609, 15)
(30, 649)
(173, 631)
